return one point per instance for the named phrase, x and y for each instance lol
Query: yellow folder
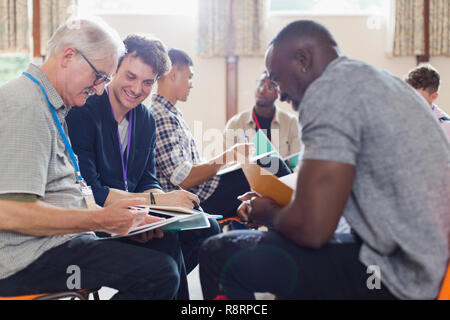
(266, 184)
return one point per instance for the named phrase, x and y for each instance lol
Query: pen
(245, 136)
(196, 206)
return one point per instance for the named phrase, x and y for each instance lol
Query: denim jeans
(150, 271)
(239, 263)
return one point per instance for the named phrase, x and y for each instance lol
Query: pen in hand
(196, 206)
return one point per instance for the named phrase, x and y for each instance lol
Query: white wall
(207, 100)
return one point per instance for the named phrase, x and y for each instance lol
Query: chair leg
(96, 295)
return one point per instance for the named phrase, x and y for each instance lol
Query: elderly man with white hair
(47, 213)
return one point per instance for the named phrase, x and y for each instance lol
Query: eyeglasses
(271, 86)
(100, 77)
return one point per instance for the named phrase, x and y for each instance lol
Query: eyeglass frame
(100, 77)
(273, 86)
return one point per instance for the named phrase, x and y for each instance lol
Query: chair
(444, 294)
(82, 294)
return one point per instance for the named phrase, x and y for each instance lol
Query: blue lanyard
(60, 129)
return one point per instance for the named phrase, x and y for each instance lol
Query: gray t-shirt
(33, 160)
(400, 200)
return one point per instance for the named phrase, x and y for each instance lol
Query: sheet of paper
(237, 166)
(290, 180)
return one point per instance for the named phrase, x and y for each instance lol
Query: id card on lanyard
(86, 191)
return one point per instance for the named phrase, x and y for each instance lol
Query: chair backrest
(444, 294)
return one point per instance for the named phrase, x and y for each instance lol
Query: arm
(323, 188)
(203, 172)
(174, 159)
(311, 218)
(38, 218)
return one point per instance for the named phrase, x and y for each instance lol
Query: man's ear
(303, 58)
(434, 96)
(67, 56)
(172, 75)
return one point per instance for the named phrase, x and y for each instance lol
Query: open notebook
(169, 219)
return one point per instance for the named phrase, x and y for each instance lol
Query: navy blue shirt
(93, 134)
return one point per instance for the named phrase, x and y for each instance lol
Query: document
(290, 180)
(267, 185)
(237, 166)
(168, 219)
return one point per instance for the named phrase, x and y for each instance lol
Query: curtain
(53, 13)
(231, 28)
(409, 28)
(439, 28)
(409, 38)
(14, 26)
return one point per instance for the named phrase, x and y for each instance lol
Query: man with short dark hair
(114, 136)
(366, 158)
(280, 127)
(426, 80)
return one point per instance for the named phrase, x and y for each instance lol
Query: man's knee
(165, 281)
(231, 242)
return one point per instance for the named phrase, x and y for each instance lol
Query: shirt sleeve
(331, 127)
(26, 142)
(83, 143)
(173, 151)
(294, 136)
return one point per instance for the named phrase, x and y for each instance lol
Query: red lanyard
(257, 123)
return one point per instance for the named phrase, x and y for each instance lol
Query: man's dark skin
(323, 187)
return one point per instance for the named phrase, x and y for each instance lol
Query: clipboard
(267, 185)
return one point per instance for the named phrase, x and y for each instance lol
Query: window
(12, 66)
(175, 7)
(369, 7)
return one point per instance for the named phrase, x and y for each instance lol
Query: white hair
(91, 36)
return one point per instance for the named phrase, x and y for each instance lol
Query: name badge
(88, 197)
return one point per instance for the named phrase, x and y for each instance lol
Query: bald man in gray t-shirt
(375, 154)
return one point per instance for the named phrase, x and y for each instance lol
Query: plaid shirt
(176, 150)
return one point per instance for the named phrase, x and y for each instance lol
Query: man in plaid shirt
(178, 162)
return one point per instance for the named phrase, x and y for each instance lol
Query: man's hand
(178, 198)
(145, 237)
(257, 210)
(118, 218)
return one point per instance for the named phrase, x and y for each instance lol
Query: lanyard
(124, 166)
(257, 123)
(60, 129)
